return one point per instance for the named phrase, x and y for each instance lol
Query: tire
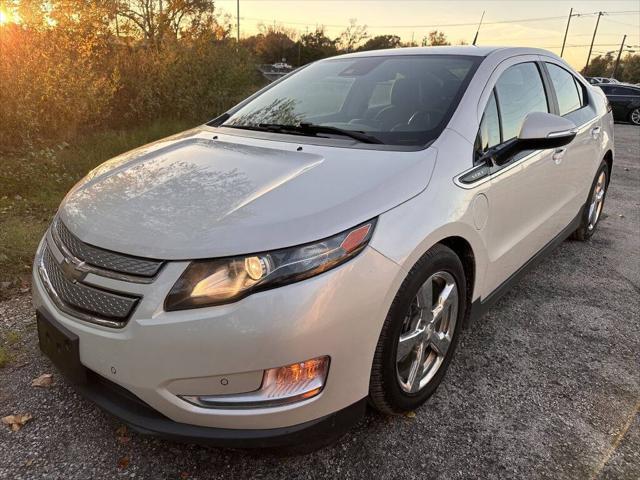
(588, 224)
(634, 116)
(389, 391)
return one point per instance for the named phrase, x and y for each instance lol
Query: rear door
(576, 163)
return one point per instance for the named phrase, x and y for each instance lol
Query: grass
(12, 337)
(33, 184)
(5, 358)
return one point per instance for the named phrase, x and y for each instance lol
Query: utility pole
(238, 18)
(595, 30)
(475, 39)
(566, 31)
(615, 68)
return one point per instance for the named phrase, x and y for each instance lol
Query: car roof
(471, 50)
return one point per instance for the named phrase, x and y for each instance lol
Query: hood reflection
(188, 185)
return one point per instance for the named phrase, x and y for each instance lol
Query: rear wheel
(634, 116)
(593, 209)
(420, 333)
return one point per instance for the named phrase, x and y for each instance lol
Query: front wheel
(420, 333)
(634, 116)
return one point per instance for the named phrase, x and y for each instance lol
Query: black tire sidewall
(443, 259)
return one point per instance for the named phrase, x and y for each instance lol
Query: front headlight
(215, 282)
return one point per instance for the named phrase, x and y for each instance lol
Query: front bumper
(143, 419)
(160, 355)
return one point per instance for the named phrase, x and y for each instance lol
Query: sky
(540, 23)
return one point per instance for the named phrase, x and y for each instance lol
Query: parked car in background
(624, 100)
(258, 280)
(600, 80)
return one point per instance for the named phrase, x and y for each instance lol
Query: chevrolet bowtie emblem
(71, 271)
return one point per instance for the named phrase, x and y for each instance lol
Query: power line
(414, 26)
(464, 24)
(622, 23)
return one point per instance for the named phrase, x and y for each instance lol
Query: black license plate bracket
(62, 346)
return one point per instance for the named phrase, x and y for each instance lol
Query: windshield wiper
(308, 129)
(305, 128)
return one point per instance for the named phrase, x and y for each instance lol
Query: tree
(154, 19)
(630, 68)
(600, 66)
(381, 42)
(351, 37)
(274, 43)
(316, 45)
(435, 38)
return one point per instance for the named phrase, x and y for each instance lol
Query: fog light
(304, 379)
(280, 386)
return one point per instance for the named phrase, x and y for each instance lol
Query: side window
(520, 91)
(565, 87)
(489, 132)
(628, 91)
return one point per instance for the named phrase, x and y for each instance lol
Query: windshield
(395, 100)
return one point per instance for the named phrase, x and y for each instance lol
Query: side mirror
(539, 131)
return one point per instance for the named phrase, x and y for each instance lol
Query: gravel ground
(547, 385)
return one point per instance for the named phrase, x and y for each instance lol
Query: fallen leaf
(410, 414)
(123, 462)
(122, 435)
(28, 462)
(184, 475)
(44, 380)
(16, 422)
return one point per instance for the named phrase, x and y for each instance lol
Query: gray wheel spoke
(439, 342)
(592, 208)
(408, 342)
(425, 296)
(413, 380)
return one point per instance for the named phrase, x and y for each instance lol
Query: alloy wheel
(427, 332)
(635, 116)
(597, 200)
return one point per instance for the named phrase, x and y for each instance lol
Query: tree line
(274, 43)
(70, 66)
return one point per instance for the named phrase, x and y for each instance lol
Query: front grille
(83, 300)
(98, 257)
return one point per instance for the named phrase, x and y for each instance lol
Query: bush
(190, 80)
(51, 85)
(58, 82)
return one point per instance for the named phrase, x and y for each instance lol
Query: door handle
(558, 155)
(595, 132)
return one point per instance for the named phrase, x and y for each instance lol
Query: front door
(526, 192)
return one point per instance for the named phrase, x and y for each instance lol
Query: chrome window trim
(469, 186)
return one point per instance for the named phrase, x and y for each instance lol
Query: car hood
(197, 196)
